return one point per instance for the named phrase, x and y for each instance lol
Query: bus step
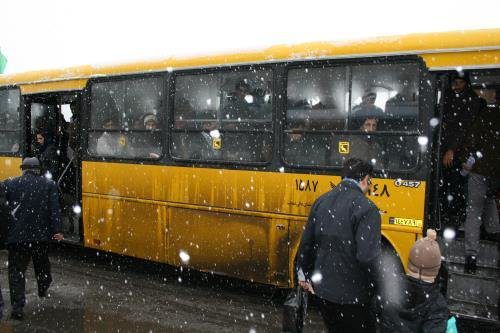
(481, 287)
(474, 312)
(454, 252)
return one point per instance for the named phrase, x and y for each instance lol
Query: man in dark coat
(34, 209)
(340, 249)
(483, 144)
(461, 107)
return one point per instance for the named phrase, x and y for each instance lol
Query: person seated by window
(238, 104)
(151, 124)
(183, 113)
(47, 154)
(305, 148)
(296, 146)
(364, 146)
(109, 144)
(14, 148)
(184, 119)
(367, 107)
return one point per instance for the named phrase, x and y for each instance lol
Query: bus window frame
(421, 126)
(272, 67)
(21, 123)
(162, 112)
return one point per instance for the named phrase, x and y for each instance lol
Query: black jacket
(485, 138)
(341, 241)
(422, 309)
(49, 159)
(459, 112)
(34, 207)
(4, 216)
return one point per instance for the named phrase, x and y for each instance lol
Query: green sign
(3, 62)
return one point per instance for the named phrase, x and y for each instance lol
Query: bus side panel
(217, 210)
(228, 244)
(120, 223)
(126, 227)
(249, 247)
(9, 167)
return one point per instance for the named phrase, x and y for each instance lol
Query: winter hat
(425, 258)
(459, 75)
(149, 117)
(30, 163)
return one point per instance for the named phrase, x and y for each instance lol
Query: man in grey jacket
(340, 249)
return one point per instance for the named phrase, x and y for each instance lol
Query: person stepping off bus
(482, 149)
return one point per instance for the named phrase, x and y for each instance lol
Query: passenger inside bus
(460, 109)
(238, 102)
(295, 146)
(367, 106)
(108, 144)
(151, 124)
(47, 154)
(365, 146)
(481, 157)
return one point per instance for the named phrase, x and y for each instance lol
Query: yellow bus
(213, 162)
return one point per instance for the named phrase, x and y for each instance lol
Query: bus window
(223, 116)
(316, 99)
(388, 92)
(375, 120)
(125, 119)
(386, 96)
(9, 120)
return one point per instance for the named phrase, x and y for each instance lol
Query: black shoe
(470, 264)
(17, 315)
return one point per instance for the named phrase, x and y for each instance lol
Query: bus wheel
(391, 275)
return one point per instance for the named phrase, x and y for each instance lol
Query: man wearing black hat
(461, 107)
(34, 221)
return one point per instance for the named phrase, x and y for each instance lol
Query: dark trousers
(453, 195)
(19, 258)
(346, 317)
(1, 303)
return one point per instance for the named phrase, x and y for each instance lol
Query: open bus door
(470, 296)
(57, 117)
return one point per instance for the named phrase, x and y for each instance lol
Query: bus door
(464, 96)
(52, 128)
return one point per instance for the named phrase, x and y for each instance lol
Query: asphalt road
(93, 292)
(96, 292)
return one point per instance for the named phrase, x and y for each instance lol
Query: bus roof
(440, 50)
